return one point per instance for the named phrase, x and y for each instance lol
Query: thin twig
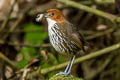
(99, 2)
(11, 63)
(26, 45)
(23, 31)
(99, 34)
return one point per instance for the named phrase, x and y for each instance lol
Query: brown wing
(73, 34)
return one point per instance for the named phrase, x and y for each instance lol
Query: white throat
(54, 38)
(50, 22)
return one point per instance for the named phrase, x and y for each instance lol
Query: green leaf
(52, 59)
(22, 63)
(60, 59)
(45, 65)
(28, 53)
(32, 38)
(35, 37)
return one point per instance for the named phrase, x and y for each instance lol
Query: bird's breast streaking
(59, 40)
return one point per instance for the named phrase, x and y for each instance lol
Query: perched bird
(64, 36)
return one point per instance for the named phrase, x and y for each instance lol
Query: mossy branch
(106, 15)
(62, 77)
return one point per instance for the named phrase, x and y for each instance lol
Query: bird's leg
(68, 68)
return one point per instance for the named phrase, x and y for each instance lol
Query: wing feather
(73, 33)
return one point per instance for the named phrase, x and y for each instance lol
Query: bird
(64, 37)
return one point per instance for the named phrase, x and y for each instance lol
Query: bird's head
(55, 15)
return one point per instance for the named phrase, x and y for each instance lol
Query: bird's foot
(64, 73)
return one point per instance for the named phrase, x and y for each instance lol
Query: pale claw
(62, 73)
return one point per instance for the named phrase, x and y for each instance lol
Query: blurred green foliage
(31, 38)
(35, 37)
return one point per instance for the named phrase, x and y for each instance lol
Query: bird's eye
(52, 14)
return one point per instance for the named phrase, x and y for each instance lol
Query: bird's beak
(46, 15)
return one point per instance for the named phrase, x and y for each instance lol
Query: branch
(78, 60)
(62, 77)
(11, 63)
(26, 45)
(99, 2)
(98, 34)
(106, 15)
